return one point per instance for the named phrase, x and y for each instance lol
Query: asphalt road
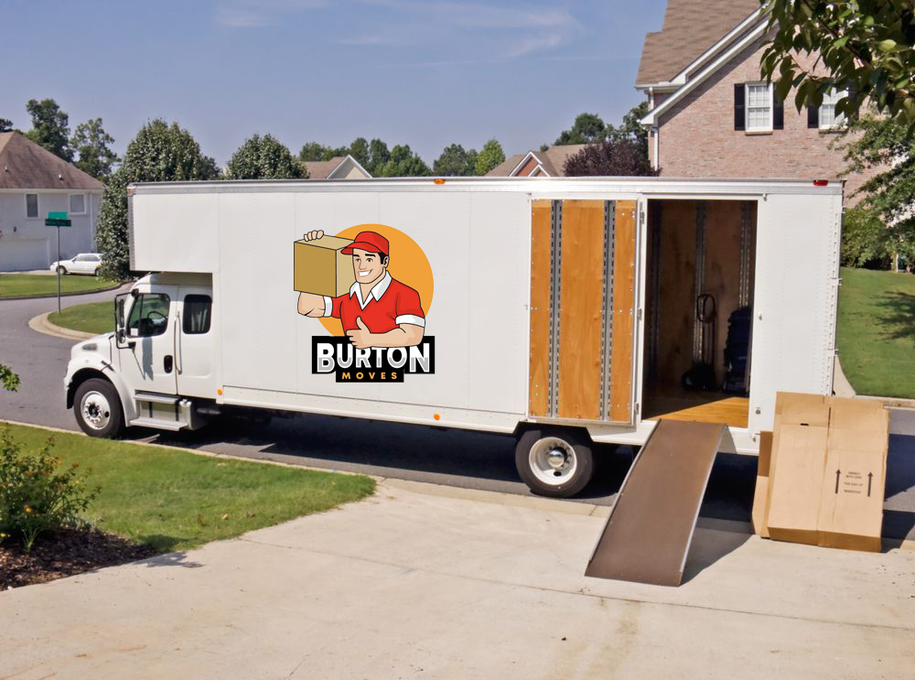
(412, 452)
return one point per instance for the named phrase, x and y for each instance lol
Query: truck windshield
(149, 315)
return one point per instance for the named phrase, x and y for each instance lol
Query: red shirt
(390, 303)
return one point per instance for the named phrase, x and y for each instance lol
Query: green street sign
(57, 223)
(57, 215)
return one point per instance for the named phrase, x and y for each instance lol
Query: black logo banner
(372, 364)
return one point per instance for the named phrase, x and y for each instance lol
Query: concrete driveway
(409, 584)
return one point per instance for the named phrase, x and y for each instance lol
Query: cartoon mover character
(379, 310)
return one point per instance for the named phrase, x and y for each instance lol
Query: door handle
(168, 362)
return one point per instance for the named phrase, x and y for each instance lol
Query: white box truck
(568, 312)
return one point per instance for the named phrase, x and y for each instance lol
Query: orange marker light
(439, 180)
(436, 416)
(219, 392)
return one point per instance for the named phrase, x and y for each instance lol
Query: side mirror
(120, 322)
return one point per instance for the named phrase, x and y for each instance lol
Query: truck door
(147, 361)
(582, 322)
(195, 351)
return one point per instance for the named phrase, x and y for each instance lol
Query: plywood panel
(541, 241)
(677, 300)
(623, 311)
(581, 305)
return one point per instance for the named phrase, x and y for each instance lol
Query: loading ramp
(649, 530)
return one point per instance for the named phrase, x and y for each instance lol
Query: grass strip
(38, 285)
(94, 317)
(172, 500)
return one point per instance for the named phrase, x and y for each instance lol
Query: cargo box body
(538, 295)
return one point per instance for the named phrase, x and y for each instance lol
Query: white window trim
(37, 206)
(838, 123)
(85, 204)
(746, 108)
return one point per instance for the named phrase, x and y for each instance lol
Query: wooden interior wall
(676, 299)
(541, 244)
(723, 225)
(624, 242)
(581, 305)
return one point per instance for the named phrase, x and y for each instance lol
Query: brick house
(710, 112)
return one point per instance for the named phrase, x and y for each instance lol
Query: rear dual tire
(554, 462)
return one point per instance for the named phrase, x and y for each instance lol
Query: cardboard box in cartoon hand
(321, 268)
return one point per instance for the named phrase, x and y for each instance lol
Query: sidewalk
(413, 584)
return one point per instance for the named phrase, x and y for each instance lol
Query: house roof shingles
(553, 160)
(690, 28)
(321, 169)
(26, 165)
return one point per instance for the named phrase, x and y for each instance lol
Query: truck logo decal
(371, 287)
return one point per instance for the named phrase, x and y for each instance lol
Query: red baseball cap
(368, 241)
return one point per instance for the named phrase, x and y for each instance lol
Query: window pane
(77, 203)
(759, 95)
(827, 115)
(31, 205)
(149, 314)
(196, 314)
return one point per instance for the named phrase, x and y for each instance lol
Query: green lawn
(876, 334)
(173, 500)
(95, 317)
(37, 285)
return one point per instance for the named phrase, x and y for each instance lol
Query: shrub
(36, 494)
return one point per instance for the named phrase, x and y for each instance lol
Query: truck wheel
(97, 408)
(554, 462)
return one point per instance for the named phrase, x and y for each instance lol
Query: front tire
(555, 462)
(97, 408)
(61, 270)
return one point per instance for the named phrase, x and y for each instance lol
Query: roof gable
(550, 162)
(26, 165)
(690, 28)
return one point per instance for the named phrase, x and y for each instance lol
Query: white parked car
(84, 263)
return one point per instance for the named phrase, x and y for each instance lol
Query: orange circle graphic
(408, 264)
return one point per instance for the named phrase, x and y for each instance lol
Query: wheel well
(82, 376)
(525, 425)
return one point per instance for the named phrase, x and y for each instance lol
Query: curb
(41, 324)
(63, 295)
(843, 388)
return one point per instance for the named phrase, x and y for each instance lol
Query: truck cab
(162, 347)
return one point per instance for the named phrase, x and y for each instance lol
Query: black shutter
(739, 108)
(778, 113)
(813, 116)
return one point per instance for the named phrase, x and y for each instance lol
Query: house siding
(26, 243)
(697, 136)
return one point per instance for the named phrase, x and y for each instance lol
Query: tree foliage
(264, 158)
(359, 150)
(883, 222)
(455, 162)
(50, 127)
(587, 129)
(159, 153)
(489, 157)
(864, 47)
(610, 158)
(8, 379)
(91, 143)
(402, 163)
(6, 125)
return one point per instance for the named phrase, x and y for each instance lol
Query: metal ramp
(651, 525)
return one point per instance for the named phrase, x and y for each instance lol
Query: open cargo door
(582, 318)
(647, 536)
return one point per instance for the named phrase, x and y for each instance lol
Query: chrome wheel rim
(96, 410)
(553, 461)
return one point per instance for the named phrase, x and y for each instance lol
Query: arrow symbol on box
(838, 473)
(870, 476)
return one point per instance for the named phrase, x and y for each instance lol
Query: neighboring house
(549, 163)
(710, 112)
(338, 167)
(34, 182)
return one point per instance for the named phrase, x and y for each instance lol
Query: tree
(359, 150)
(865, 48)
(403, 163)
(6, 125)
(159, 153)
(50, 127)
(455, 162)
(883, 222)
(587, 128)
(8, 379)
(610, 158)
(264, 158)
(631, 128)
(312, 151)
(378, 156)
(489, 157)
(91, 142)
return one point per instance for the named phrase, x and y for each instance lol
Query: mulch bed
(65, 553)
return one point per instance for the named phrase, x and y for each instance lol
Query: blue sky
(423, 72)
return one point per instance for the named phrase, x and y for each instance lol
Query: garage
(23, 254)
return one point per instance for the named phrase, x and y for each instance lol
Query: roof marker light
(820, 182)
(439, 180)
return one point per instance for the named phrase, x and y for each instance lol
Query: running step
(649, 530)
(157, 398)
(159, 424)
